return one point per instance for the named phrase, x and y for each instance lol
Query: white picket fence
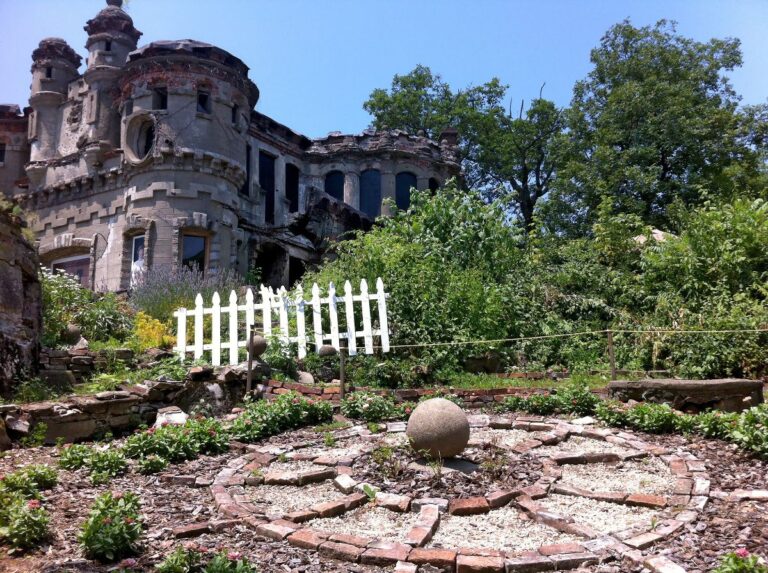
(282, 306)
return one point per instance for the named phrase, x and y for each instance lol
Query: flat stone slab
(729, 395)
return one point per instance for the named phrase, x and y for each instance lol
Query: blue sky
(316, 61)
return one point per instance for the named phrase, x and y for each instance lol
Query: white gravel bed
(646, 475)
(288, 498)
(601, 515)
(340, 450)
(292, 466)
(369, 521)
(505, 529)
(576, 444)
(502, 438)
(395, 439)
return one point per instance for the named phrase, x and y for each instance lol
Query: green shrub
(280, 356)
(34, 390)
(577, 399)
(228, 562)
(261, 419)
(27, 524)
(106, 464)
(715, 424)
(181, 560)
(652, 418)
(369, 407)
(611, 413)
(152, 464)
(104, 318)
(113, 528)
(751, 430)
(740, 561)
(74, 456)
(184, 560)
(62, 299)
(29, 480)
(36, 436)
(685, 423)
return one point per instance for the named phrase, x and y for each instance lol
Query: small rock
(17, 424)
(171, 415)
(306, 378)
(344, 483)
(585, 421)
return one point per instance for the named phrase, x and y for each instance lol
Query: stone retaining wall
(71, 366)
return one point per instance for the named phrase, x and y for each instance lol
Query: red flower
(212, 432)
(741, 552)
(107, 520)
(117, 495)
(129, 520)
(33, 504)
(233, 555)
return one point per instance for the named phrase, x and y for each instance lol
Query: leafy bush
(577, 399)
(751, 430)
(74, 456)
(369, 407)
(113, 527)
(611, 413)
(29, 480)
(189, 560)
(716, 424)
(152, 464)
(105, 317)
(652, 418)
(62, 299)
(36, 436)
(740, 561)
(34, 390)
(27, 524)
(280, 356)
(165, 289)
(261, 419)
(176, 443)
(149, 332)
(106, 464)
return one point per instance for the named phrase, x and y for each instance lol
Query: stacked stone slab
(729, 395)
(20, 305)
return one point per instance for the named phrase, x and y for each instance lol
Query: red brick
(477, 564)
(393, 502)
(385, 553)
(356, 540)
(480, 552)
(643, 540)
(419, 536)
(468, 506)
(341, 551)
(661, 564)
(191, 530)
(273, 531)
(500, 498)
(529, 562)
(572, 560)
(609, 496)
(558, 548)
(300, 516)
(429, 517)
(316, 476)
(329, 508)
(436, 557)
(354, 500)
(281, 478)
(645, 500)
(404, 567)
(306, 539)
(534, 491)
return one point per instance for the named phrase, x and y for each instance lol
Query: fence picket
(283, 303)
(367, 327)
(350, 312)
(181, 333)
(198, 326)
(216, 330)
(301, 334)
(383, 320)
(233, 353)
(317, 317)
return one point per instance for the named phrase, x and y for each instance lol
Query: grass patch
(330, 427)
(469, 381)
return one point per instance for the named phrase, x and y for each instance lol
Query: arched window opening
(403, 183)
(146, 139)
(434, 184)
(334, 185)
(292, 187)
(370, 192)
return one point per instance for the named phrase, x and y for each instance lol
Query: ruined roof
(189, 48)
(50, 48)
(9, 110)
(112, 19)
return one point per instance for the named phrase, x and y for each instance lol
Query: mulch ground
(725, 525)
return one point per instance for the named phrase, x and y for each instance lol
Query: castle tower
(111, 37)
(54, 66)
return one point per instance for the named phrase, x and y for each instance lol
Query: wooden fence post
(611, 355)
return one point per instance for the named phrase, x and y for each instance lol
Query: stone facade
(20, 305)
(159, 151)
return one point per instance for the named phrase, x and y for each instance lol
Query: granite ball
(439, 428)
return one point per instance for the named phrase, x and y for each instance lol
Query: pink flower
(107, 520)
(129, 520)
(128, 563)
(233, 555)
(741, 552)
(117, 495)
(33, 504)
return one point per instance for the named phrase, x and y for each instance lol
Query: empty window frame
(2, 153)
(267, 183)
(246, 188)
(160, 98)
(138, 265)
(108, 46)
(203, 102)
(193, 252)
(235, 113)
(128, 107)
(434, 184)
(77, 266)
(403, 183)
(49, 72)
(292, 187)
(370, 192)
(334, 184)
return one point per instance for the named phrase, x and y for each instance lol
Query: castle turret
(54, 66)
(111, 36)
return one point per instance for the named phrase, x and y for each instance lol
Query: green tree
(655, 121)
(509, 158)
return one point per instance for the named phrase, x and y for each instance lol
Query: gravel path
(504, 529)
(369, 521)
(579, 444)
(601, 515)
(288, 498)
(647, 475)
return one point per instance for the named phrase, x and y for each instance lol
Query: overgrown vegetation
(113, 527)
(23, 519)
(261, 419)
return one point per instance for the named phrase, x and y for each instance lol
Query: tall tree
(656, 121)
(506, 157)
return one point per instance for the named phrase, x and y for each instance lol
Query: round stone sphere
(438, 427)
